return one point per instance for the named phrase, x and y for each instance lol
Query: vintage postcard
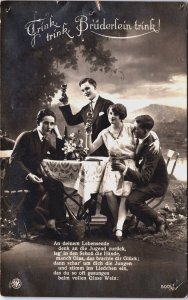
(94, 149)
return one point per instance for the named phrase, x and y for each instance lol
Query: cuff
(26, 178)
(62, 104)
(125, 171)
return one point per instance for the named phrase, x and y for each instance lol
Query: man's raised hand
(64, 98)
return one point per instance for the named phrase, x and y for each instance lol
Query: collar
(142, 140)
(40, 135)
(94, 100)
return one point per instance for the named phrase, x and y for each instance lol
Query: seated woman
(121, 145)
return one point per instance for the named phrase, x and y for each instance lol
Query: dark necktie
(43, 140)
(43, 144)
(138, 146)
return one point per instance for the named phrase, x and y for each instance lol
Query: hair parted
(90, 80)
(43, 113)
(145, 122)
(119, 110)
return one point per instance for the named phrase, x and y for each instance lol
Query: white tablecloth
(83, 176)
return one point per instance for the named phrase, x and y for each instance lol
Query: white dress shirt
(41, 137)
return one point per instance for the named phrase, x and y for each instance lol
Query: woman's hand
(155, 147)
(118, 166)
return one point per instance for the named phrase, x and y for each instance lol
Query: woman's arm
(154, 135)
(95, 145)
(155, 146)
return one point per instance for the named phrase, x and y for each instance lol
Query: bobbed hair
(145, 122)
(119, 110)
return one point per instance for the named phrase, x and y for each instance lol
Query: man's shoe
(51, 229)
(38, 226)
(85, 211)
(53, 233)
(118, 235)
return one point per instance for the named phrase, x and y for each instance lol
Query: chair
(12, 200)
(72, 206)
(172, 156)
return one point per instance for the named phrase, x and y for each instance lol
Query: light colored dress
(122, 148)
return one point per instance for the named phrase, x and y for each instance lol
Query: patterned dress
(123, 149)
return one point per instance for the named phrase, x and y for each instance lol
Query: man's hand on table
(34, 178)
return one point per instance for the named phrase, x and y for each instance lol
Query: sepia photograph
(94, 149)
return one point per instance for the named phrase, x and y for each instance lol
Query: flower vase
(70, 156)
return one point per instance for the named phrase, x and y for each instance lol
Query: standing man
(152, 178)
(97, 105)
(30, 149)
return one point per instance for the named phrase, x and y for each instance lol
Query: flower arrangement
(74, 147)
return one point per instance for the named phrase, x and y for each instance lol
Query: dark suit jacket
(26, 157)
(152, 177)
(100, 121)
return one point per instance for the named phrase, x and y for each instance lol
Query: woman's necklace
(116, 138)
